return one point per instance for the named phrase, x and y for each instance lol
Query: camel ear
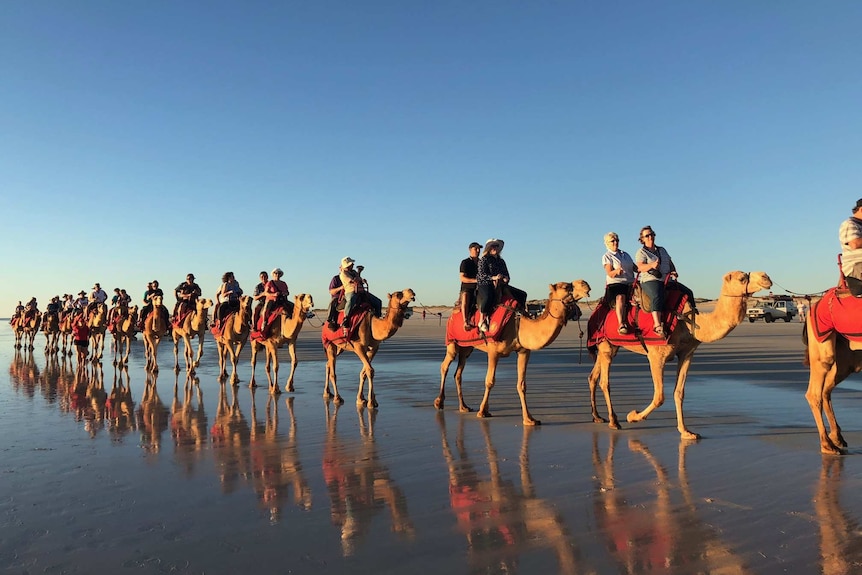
(728, 276)
(551, 287)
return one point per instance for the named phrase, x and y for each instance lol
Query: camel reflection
(119, 406)
(152, 415)
(231, 437)
(358, 482)
(24, 372)
(664, 535)
(840, 534)
(500, 522)
(94, 415)
(188, 422)
(276, 467)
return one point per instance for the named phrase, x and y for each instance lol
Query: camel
(98, 323)
(120, 406)
(281, 330)
(66, 334)
(154, 330)
(152, 415)
(194, 325)
(124, 332)
(232, 339)
(370, 334)
(830, 362)
(729, 312)
(521, 336)
(30, 328)
(17, 324)
(51, 329)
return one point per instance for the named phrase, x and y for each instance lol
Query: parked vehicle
(770, 311)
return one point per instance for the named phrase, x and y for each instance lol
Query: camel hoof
(599, 419)
(832, 450)
(289, 388)
(339, 400)
(632, 416)
(327, 395)
(274, 390)
(484, 414)
(252, 384)
(465, 409)
(438, 403)
(614, 424)
(532, 422)
(360, 401)
(689, 436)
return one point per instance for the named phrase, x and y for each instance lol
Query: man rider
(850, 236)
(187, 294)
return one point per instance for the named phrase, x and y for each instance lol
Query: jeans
(654, 290)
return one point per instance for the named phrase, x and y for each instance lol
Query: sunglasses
(649, 235)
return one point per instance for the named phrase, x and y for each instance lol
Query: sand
(226, 480)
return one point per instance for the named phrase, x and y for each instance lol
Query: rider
(276, 295)
(152, 292)
(493, 274)
(469, 271)
(187, 294)
(31, 309)
(354, 284)
(850, 236)
(97, 296)
(336, 291)
(81, 301)
(231, 292)
(259, 295)
(54, 307)
(19, 309)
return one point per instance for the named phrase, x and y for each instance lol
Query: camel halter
(568, 303)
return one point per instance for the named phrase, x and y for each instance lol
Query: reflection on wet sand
(500, 522)
(276, 467)
(662, 535)
(120, 407)
(358, 482)
(231, 437)
(152, 415)
(24, 372)
(188, 423)
(840, 537)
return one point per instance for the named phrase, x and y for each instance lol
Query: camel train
(833, 346)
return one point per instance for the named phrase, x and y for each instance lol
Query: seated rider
(355, 286)
(276, 295)
(187, 294)
(81, 301)
(31, 309)
(97, 296)
(54, 307)
(19, 309)
(492, 278)
(850, 236)
(336, 291)
(151, 293)
(227, 298)
(467, 296)
(259, 296)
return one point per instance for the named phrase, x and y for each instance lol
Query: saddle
(499, 318)
(838, 311)
(341, 335)
(603, 324)
(182, 314)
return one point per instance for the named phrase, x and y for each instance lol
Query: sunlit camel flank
(124, 332)
(98, 323)
(51, 329)
(522, 336)
(281, 330)
(194, 325)
(371, 333)
(154, 330)
(233, 337)
(729, 312)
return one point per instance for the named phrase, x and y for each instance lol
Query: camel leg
(823, 372)
(679, 397)
(523, 360)
(834, 429)
(234, 357)
(463, 354)
(601, 374)
(176, 339)
(272, 350)
(490, 378)
(222, 360)
(291, 348)
(200, 353)
(255, 347)
(444, 371)
(656, 366)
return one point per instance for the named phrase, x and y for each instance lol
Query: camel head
(304, 303)
(580, 289)
(157, 301)
(401, 299)
(739, 283)
(204, 303)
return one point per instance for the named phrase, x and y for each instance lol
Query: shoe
(332, 325)
(483, 326)
(623, 330)
(659, 330)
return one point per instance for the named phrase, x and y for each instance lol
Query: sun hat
(277, 271)
(347, 262)
(858, 204)
(82, 292)
(493, 241)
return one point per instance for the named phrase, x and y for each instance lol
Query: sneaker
(623, 330)
(659, 330)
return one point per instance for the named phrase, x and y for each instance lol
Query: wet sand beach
(114, 471)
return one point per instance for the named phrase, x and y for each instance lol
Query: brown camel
(279, 331)
(830, 363)
(98, 323)
(66, 334)
(124, 332)
(194, 325)
(232, 339)
(17, 324)
(370, 334)
(522, 336)
(154, 330)
(51, 329)
(30, 327)
(728, 313)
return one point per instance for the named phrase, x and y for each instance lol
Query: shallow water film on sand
(108, 470)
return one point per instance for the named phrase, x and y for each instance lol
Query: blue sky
(146, 140)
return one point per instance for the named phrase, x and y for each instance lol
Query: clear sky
(147, 139)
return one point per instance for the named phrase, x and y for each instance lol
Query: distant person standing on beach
(850, 236)
(803, 310)
(620, 270)
(468, 272)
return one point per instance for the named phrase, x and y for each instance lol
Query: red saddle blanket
(837, 311)
(603, 323)
(256, 334)
(178, 321)
(218, 330)
(341, 335)
(502, 315)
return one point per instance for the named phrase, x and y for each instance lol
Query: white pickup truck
(770, 311)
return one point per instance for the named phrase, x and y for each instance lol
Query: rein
(568, 303)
